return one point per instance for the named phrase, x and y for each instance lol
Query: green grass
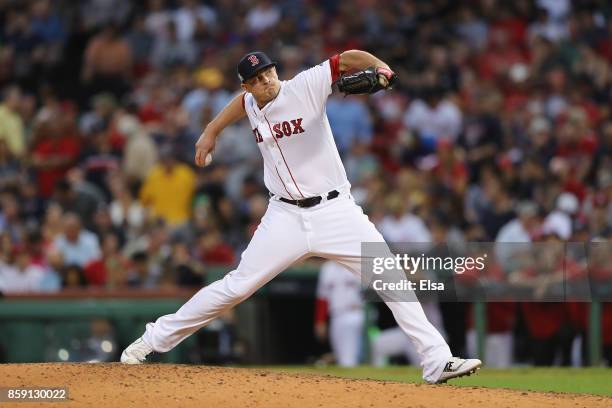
(574, 380)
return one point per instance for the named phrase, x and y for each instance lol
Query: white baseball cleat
(136, 353)
(458, 367)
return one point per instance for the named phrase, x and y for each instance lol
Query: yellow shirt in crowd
(169, 194)
(11, 131)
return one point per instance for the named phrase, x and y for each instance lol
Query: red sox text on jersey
(285, 128)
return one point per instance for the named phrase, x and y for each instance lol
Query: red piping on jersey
(334, 65)
(281, 179)
(279, 176)
(281, 152)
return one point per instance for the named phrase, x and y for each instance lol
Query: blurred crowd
(501, 128)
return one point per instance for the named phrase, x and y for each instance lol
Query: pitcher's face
(264, 85)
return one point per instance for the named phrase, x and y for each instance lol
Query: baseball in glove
(368, 81)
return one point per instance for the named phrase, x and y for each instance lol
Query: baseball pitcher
(311, 211)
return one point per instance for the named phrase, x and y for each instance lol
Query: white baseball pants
(334, 230)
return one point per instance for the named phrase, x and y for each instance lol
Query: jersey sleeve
(315, 84)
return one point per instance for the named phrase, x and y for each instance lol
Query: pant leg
(339, 228)
(278, 242)
(346, 332)
(433, 315)
(432, 311)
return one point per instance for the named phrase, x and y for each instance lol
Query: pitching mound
(164, 385)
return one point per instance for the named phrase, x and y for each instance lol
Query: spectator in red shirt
(449, 170)
(54, 150)
(576, 145)
(111, 269)
(505, 49)
(213, 251)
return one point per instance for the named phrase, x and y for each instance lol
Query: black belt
(310, 201)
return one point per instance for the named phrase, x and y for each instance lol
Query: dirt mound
(164, 385)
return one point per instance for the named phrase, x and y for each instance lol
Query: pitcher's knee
(239, 289)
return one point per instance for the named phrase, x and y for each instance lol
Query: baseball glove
(368, 81)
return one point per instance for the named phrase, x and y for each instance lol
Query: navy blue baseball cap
(252, 63)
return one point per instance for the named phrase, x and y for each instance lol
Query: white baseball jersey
(340, 287)
(293, 134)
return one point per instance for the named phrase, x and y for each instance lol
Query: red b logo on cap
(254, 60)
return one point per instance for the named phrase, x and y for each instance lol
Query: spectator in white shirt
(518, 231)
(544, 26)
(434, 117)
(401, 225)
(560, 219)
(21, 276)
(77, 245)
